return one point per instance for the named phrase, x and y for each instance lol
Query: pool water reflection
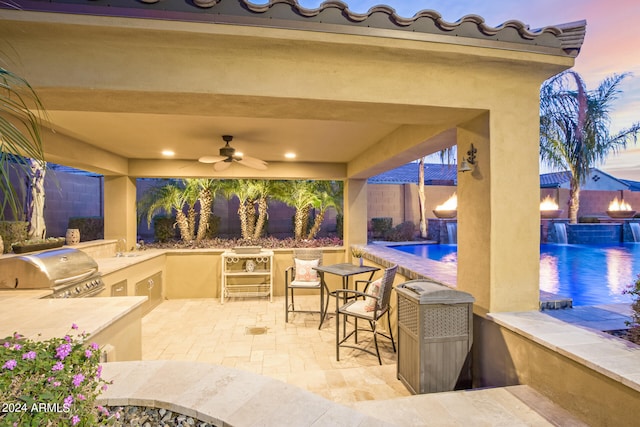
(590, 274)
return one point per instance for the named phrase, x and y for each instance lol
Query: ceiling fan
(228, 155)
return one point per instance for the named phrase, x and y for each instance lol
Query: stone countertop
(54, 317)
(30, 294)
(112, 264)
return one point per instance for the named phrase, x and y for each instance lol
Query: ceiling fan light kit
(228, 155)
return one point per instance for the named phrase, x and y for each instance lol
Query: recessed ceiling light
(290, 155)
(168, 153)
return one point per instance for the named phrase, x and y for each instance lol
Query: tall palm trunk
(183, 225)
(242, 215)
(301, 218)
(574, 200)
(262, 217)
(191, 219)
(317, 223)
(421, 199)
(205, 212)
(251, 217)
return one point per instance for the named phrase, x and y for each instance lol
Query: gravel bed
(142, 416)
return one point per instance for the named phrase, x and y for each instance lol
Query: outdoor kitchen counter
(114, 323)
(112, 264)
(12, 294)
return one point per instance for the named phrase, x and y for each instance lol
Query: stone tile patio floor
(297, 352)
(251, 335)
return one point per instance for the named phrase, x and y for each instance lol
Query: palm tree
(574, 128)
(261, 190)
(329, 195)
(20, 138)
(301, 195)
(167, 198)
(208, 190)
(240, 188)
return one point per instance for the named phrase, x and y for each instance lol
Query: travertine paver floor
(296, 352)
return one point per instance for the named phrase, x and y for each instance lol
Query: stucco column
(498, 214)
(120, 209)
(355, 213)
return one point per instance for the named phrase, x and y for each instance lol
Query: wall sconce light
(469, 161)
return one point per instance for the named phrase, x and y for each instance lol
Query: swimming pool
(589, 274)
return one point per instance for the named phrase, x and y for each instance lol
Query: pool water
(589, 274)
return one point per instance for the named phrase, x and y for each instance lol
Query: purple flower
(75, 420)
(17, 347)
(74, 326)
(99, 371)
(67, 338)
(7, 344)
(56, 383)
(104, 387)
(10, 364)
(77, 380)
(68, 401)
(94, 346)
(81, 396)
(63, 351)
(57, 367)
(17, 336)
(29, 355)
(88, 354)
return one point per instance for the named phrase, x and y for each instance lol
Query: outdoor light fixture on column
(469, 162)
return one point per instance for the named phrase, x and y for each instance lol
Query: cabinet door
(119, 289)
(150, 287)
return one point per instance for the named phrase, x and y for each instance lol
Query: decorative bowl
(550, 213)
(621, 214)
(446, 213)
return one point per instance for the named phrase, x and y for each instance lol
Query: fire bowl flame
(550, 213)
(621, 214)
(445, 213)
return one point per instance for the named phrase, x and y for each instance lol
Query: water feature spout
(561, 232)
(635, 231)
(452, 232)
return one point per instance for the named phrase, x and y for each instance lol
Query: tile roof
(554, 179)
(567, 38)
(434, 173)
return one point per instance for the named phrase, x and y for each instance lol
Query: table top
(345, 269)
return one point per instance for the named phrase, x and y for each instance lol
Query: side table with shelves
(247, 275)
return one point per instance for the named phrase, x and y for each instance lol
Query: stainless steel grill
(70, 273)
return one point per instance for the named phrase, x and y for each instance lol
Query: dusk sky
(612, 43)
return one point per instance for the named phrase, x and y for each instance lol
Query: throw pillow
(305, 270)
(373, 290)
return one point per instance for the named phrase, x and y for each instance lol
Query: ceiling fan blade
(220, 166)
(211, 159)
(253, 163)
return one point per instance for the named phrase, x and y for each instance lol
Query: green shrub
(402, 232)
(164, 229)
(13, 231)
(634, 324)
(214, 227)
(51, 383)
(91, 227)
(589, 220)
(380, 226)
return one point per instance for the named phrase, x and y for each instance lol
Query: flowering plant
(357, 252)
(51, 382)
